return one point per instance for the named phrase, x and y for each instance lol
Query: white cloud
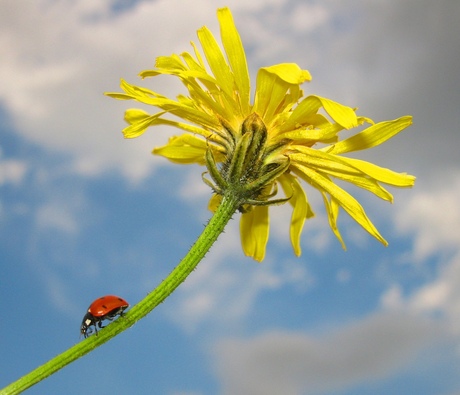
(432, 218)
(307, 17)
(59, 57)
(193, 187)
(439, 297)
(12, 171)
(290, 363)
(432, 215)
(57, 288)
(61, 206)
(58, 217)
(343, 276)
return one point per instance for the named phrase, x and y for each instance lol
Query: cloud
(398, 58)
(55, 73)
(290, 363)
(432, 215)
(12, 171)
(59, 57)
(58, 217)
(442, 295)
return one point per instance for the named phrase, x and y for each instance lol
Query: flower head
(279, 140)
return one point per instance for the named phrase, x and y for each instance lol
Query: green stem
(210, 234)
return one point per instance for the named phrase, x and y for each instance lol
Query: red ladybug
(105, 308)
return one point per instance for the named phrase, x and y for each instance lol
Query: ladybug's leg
(111, 316)
(100, 324)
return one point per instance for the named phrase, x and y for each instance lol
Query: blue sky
(84, 213)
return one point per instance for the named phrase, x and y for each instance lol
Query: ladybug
(105, 308)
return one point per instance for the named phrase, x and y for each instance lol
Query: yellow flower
(281, 139)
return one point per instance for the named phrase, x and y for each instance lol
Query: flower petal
(301, 208)
(372, 136)
(344, 199)
(332, 209)
(236, 56)
(343, 115)
(216, 60)
(181, 109)
(183, 149)
(335, 166)
(289, 72)
(139, 121)
(214, 202)
(254, 230)
(382, 174)
(271, 87)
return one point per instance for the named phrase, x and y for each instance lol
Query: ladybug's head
(88, 320)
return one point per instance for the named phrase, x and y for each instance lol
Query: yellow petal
(165, 65)
(214, 202)
(270, 92)
(179, 108)
(372, 136)
(199, 58)
(139, 121)
(132, 92)
(382, 174)
(289, 72)
(304, 114)
(184, 149)
(236, 56)
(332, 209)
(187, 72)
(271, 87)
(118, 96)
(341, 114)
(216, 60)
(301, 208)
(344, 199)
(337, 167)
(254, 229)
